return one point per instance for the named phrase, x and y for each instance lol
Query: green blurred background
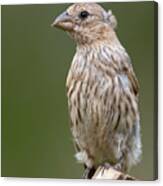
(36, 140)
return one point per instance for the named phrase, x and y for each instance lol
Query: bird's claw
(88, 173)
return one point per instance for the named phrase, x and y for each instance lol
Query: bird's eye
(83, 14)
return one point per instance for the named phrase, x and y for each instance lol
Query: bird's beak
(63, 21)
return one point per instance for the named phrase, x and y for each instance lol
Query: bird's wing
(133, 79)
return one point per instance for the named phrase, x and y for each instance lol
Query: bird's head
(86, 22)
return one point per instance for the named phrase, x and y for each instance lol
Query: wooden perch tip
(111, 174)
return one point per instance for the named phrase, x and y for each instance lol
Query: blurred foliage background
(36, 140)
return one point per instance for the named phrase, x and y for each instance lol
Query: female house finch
(102, 91)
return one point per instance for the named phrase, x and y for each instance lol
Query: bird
(102, 91)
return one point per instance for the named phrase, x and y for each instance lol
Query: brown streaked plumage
(102, 90)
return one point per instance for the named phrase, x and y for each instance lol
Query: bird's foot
(118, 166)
(88, 173)
(106, 165)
